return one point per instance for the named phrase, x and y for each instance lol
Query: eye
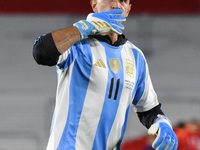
(123, 0)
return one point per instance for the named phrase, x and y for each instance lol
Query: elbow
(45, 54)
(38, 53)
(42, 57)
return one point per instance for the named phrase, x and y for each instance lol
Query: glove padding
(102, 22)
(166, 138)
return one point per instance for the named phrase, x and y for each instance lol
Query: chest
(114, 67)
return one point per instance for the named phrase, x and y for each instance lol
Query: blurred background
(167, 31)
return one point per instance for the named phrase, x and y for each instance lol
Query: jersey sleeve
(77, 51)
(145, 97)
(66, 59)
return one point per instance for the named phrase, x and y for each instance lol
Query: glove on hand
(166, 138)
(102, 22)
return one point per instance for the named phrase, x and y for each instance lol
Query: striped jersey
(97, 84)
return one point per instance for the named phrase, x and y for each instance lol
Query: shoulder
(79, 50)
(136, 51)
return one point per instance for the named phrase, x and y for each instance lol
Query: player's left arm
(150, 113)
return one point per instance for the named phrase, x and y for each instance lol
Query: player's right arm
(150, 113)
(49, 47)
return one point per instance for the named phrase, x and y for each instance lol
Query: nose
(115, 4)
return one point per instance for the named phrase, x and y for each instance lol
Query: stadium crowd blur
(188, 134)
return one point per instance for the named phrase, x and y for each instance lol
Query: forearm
(105, 22)
(65, 38)
(149, 117)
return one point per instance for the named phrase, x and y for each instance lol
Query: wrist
(85, 28)
(163, 118)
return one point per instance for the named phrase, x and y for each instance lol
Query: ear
(93, 4)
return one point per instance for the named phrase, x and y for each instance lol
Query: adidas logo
(100, 63)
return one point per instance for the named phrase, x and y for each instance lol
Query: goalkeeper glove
(102, 22)
(166, 138)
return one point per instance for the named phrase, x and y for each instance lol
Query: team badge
(114, 65)
(129, 68)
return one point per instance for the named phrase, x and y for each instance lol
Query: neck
(113, 36)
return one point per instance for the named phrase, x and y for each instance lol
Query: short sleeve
(145, 97)
(80, 50)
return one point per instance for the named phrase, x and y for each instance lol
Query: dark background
(81, 6)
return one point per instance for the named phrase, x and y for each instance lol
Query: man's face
(106, 5)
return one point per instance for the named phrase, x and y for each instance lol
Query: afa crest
(129, 68)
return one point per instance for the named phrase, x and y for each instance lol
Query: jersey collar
(121, 39)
